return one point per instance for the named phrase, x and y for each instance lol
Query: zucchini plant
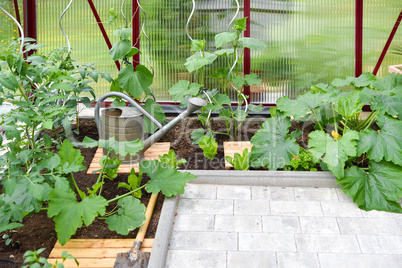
(342, 141)
(229, 45)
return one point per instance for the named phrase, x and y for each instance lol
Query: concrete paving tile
(241, 259)
(233, 192)
(315, 194)
(399, 221)
(340, 209)
(377, 244)
(295, 208)
(203, 241)
(238, 223)
(280, 224)
(194, 222)
(299, 260)
(272, 193)
(381, 214)
(329, 260)
(327, 243)
(266, 242)
(251, 207)
(319, 225)
(195, 259)
(199, 191)
(342, 196)
(369, 226)
(205, 206)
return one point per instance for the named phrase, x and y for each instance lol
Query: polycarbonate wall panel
(309, 41)
(378, 20)
(170, 46)
(87, 42)
(8, 29)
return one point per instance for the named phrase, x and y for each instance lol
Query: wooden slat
(104, 243)
(232, 147)
(159, 148)
(92, 253)
(395, 69)
(87, 263)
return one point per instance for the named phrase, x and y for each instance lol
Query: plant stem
(367, 122)
(75, 184)
(316, 118)
(126, 194)
(335, 124)
(103, 168)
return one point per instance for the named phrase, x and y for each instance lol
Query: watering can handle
(127, 98)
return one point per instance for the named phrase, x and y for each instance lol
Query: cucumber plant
(229, 45)
(341, 141)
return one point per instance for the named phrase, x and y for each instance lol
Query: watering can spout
(193, 105)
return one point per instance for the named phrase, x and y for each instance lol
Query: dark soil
(38, 230)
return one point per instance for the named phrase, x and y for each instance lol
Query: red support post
(29, 7)
(17, 14)
(358, 37)
(136, 24)
(99, 22)
(247, 54)
(391, 36)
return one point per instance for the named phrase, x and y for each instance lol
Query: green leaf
(378, 189)
(197, 45)
(350, 105)
(123, 33)
(155, 109)
(209, 146)
(240, 162)
(390, 83)
(70, 158)
(335, 150)
(252, 43)
(171, 160)
(8, 81)
(224, 52)
(385, 143)
(223, 38)
(122, 148)
(225, 114)
(364, 80)
(239, 115)
(197, 135)
(135, 82)
(252, 79)
(299, 107)
(120, 49)
(129, 216)
(133, 52)
(183, 88)
(240, 24)
(237, 81)
(272, 147)
(165, 178)
(198, 60)
(69, 214)
(10, 226)
(387, 104)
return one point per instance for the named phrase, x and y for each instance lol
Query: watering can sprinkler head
(193, 105)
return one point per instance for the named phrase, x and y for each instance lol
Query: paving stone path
(258, 226)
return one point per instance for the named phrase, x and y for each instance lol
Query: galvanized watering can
(127, 123)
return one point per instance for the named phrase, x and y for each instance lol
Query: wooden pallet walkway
(91, 253)
(159, 148)
(232, 147)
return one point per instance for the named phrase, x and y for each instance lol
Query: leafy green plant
(343, 141)
(10, 241)
(135, 81)
(44, 90)
(35, 261)
(171, 159)
(70, 211)
(134, 182)
(302, 162)
(227, 79)
(240, 162)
